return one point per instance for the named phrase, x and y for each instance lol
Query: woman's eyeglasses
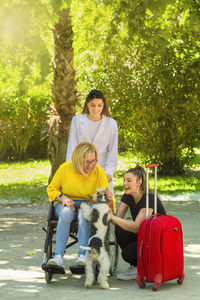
(92, 162)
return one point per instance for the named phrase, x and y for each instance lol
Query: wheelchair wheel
(48, 253)
(112, 248)
(48, 275)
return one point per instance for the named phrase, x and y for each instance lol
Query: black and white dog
(98, 216)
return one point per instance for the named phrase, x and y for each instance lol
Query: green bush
(148, 68)
(23, 126)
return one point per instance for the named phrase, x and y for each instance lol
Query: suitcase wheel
(180, 280)
(140, 282)
(142, 285)
(155, 287)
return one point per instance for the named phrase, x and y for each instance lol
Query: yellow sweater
(77, 186)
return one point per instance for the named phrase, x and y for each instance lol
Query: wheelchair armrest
(51, 214)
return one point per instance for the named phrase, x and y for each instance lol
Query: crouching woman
(75, 182)
(127, 230)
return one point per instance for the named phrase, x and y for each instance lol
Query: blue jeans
(65, 217)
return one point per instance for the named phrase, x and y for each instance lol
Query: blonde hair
(79, 156)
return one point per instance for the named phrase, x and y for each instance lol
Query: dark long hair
(141, 174)
(99, 95)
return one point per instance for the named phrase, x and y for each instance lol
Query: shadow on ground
(21, 253)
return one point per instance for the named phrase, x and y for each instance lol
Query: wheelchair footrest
(53, 269)
(77, 269)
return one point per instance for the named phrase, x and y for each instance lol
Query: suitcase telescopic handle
(147, 190)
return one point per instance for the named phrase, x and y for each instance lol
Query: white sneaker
(56, 261)
(81, 260)
(130, 273)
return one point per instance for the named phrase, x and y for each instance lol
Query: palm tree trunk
(64, 95)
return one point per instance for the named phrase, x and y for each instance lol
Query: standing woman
(96, 126)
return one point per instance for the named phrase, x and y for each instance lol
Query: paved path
(21, 252)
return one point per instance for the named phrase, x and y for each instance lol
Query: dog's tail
(85, 248)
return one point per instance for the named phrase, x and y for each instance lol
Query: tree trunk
(64, 95)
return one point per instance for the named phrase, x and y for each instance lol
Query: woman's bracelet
(60, 196)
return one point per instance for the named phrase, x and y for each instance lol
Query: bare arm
(132, 226)
(121, 210)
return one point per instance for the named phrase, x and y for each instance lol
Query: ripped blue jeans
(65, 217)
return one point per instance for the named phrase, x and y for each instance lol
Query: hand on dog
(109, 197)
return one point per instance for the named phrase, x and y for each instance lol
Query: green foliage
(144, 55)
(25, 76)
(91, 24)
(26, 47)
(23, 123)
(147, 63)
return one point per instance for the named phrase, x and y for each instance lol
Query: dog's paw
(104, 285)
(88, 285)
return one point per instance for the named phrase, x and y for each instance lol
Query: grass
(27, 181)
(190, 182)
(24, 181)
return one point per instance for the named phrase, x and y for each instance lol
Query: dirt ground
(21, 254)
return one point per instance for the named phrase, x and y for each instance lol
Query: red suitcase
(160, 247)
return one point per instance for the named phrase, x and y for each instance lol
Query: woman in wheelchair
(74, 180)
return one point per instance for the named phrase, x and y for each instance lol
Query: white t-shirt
(93, 128)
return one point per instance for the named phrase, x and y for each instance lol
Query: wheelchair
(50, 241)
